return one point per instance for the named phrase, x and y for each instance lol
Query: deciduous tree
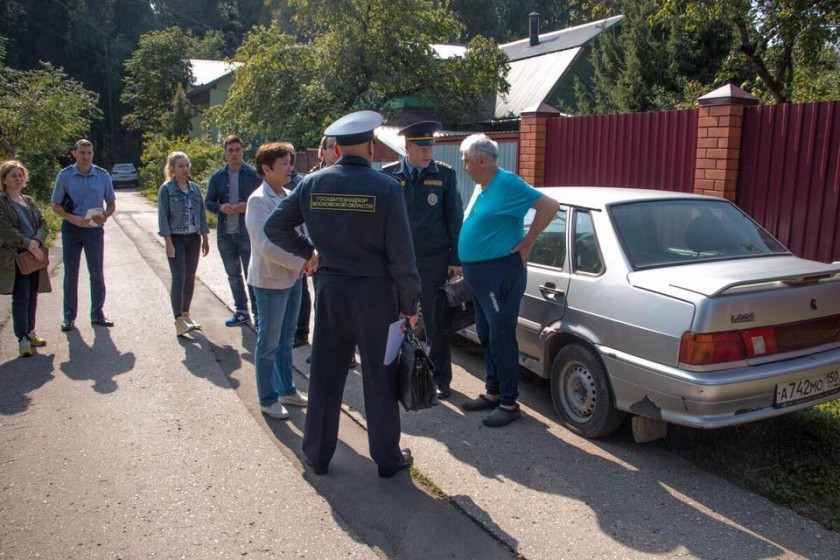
(357, 54)
(41, 113)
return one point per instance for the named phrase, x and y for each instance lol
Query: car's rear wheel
(581, 393)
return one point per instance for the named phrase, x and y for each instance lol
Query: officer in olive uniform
(435, 212)
(367, 278)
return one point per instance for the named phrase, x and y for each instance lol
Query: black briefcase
(415, 375)
(454, 309)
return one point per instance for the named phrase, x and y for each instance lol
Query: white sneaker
(295, 399)
(24, 347)
(190, 322)
(181, 326)
(276, 410)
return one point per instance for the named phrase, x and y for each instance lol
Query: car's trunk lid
(714, 279)
(750, 293)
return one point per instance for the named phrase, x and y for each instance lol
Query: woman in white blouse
(275, 276)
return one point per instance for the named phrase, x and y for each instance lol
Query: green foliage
(359, 54)
(771, 37)
(88, 40)
(655, 60)
(205, 157)
(668, 52)
(820, 80)
(177, 122)
(41, 113)
(153, 73)
(52, 219)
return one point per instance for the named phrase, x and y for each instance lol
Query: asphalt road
(130, 443)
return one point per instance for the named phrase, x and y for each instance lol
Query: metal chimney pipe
(534, 28)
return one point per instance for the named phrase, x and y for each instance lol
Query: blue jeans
(24, 302)
(91, 240)
(278, 311)
(497, 287)
(235, 251)
(182, 268)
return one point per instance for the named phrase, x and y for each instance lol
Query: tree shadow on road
(21, 376)
(100, 362)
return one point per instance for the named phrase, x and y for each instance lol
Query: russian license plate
(807, 389)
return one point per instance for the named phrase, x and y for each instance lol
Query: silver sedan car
(674, 307)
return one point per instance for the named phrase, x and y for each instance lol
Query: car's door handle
(550, 292)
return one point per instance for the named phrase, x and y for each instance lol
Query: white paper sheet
(395, 338)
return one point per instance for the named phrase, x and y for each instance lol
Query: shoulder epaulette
(443, 164)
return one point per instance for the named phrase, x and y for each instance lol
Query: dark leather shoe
(317, 470)
(407, 461)
(353, 363)
(103, 322)
(67, 326)
(443, 392)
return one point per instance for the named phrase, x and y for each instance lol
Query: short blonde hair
(171, 160)
(6, 168)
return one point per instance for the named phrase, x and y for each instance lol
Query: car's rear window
(124, 167)
(670, 232)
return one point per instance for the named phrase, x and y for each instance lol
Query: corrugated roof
(205, 71)
(531, 80)
(388, 136)
(449, 51)
(559, 40)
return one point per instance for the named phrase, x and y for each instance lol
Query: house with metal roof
(210, 81)
(543, 70)
(543, 67)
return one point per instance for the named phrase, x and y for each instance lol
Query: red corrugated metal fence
(789, 177)
(645, 150)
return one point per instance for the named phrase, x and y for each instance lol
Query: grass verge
(792, 460)
(53, 221)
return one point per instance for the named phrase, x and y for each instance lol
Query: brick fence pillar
(532, 132)
(719, 141)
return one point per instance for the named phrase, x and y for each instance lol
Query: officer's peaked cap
(355, 128)
(421, 133)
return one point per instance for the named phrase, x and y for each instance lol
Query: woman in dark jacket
(183, 225)
(22, 228)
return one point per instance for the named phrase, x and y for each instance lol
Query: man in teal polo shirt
(91, 193)
(494, 258)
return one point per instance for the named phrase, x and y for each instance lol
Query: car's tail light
(713, 348)
(717, 348)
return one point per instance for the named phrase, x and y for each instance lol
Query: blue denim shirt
(217, 193)
(173, 209)
(87, 191)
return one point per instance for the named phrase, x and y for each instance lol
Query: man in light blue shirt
(494, 257)
(90, 198)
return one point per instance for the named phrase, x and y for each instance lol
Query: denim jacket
(173, 209)
(217, 193)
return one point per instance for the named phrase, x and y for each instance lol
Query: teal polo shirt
(495, 224)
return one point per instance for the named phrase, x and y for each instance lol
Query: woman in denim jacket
(182, 220)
